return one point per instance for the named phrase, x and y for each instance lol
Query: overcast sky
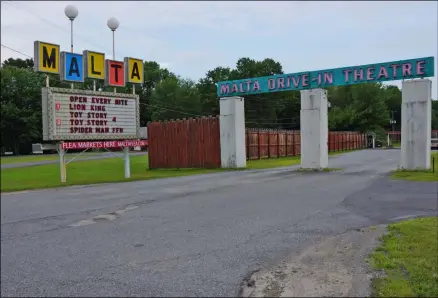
(191, 38)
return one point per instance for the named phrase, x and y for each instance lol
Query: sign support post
(416, 125)
(127, 162)
(314, 129)
(232, 132)
(62, 163)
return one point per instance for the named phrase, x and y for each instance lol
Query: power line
(154, 106)
(16, 51)
(57, 26)
(185, 113)
(258, 122)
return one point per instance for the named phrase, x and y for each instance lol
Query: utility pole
(392, 122)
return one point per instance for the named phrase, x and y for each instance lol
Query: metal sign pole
(62, 165)
(127, 162)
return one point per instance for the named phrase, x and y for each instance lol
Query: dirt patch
(335, 267)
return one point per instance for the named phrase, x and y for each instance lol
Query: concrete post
(232, 132)
(314, 129)
(416, 124)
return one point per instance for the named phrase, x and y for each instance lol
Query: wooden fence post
(278, 144)
(293, 143)
(286, 137)
(269, 144)
(247, 144)
(258, 141)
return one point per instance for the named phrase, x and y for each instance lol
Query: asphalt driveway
(192, 236)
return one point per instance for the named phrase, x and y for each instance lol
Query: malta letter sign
(94, 63)
(74, 67)
(46, 57)
(73, 114)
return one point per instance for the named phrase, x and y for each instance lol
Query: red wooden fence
(186, 143)
(268, 143)
(195, 143)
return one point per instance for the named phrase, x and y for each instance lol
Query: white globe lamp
(113, 24)
(71, 12)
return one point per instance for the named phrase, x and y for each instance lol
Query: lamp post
(71, 13)
(113, 24)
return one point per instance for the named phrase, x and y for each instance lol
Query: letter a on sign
(72, 67)
(46, 57)
(114, 73)
(134, 70)
(94, 65)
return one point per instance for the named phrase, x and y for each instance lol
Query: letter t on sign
(114, 73)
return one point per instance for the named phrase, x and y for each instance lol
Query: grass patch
(408, 256)
(419, 175)
(27, 158)
(87, 172)
(394, 145)
(108, 170)
(111, 170)
(273, 162)
(35, 158)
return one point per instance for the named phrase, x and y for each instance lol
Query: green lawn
(111, 170)
(409, 258)
(107, 170)
(27, 158)
(419, 175)
(34, 158)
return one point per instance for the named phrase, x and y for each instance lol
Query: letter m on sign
(46, 57)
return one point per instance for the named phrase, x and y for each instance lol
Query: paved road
(70, 156)
(192, 236)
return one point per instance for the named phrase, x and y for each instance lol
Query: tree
(19, 63)
(208, 90)
(434, 114)
(20, 108)
(393, 99)
(259, 109)
(174, 98)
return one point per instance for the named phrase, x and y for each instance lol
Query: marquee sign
(74, 67)
(89, 115)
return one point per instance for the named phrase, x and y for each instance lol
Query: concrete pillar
(416, 124)
(314, 129)
(232, 131)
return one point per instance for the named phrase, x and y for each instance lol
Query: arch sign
(416, 107)
(73, 67)
(371, 73)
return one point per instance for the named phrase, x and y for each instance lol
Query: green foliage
(178, 95)
(164, 96)
(20, 107)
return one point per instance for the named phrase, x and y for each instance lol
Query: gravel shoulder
(334, 267)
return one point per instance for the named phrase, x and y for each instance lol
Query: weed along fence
(186, 143)
(272, 143)
(195, 143)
